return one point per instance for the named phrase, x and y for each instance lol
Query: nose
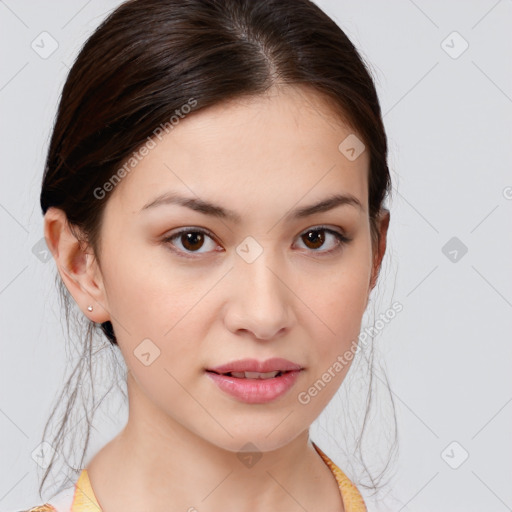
(260, 299)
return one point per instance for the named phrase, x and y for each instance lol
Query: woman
(213, 199)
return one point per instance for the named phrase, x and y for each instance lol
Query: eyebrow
(207, 208)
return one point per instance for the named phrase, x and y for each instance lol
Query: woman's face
(250, 277)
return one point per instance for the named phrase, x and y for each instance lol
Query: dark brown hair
(148, 58)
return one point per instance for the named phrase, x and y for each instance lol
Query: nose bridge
(261, 274)
(261, 297)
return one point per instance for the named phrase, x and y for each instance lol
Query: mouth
(252, 375)
(255, 369)
(253, 387)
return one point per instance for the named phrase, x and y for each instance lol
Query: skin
(260, 157)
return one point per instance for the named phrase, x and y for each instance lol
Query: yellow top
(84, 499)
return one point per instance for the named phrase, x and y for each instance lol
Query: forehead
(280, 146)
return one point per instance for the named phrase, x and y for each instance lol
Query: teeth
(254, 375)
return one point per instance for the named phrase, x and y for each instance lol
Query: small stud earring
(89, 308)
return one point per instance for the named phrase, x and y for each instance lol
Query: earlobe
(77, 266)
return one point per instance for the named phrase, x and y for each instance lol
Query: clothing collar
(84, 499)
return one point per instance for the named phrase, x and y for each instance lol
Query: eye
(194, 239)
(191, 239)
(314, 238)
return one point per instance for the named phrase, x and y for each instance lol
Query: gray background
(448, 353)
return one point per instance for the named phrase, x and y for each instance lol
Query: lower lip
(255, 391)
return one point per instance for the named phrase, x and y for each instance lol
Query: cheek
(341, 301)
(347, 300)
(153, 318)
(340, 306)
(148, 297)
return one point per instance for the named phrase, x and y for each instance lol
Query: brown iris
(315, 236)
(192, 240)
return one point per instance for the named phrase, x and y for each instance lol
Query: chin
(253, 440)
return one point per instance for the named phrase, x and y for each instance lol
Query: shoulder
(60, 502)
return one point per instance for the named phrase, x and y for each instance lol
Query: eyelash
(342, 240)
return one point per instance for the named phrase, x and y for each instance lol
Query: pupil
(316, 237)
(192, 239)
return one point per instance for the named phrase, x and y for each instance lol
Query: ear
(77, 266)
(383, 223)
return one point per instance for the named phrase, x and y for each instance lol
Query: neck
(163, 463)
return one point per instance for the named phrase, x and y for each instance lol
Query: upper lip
(252, 365)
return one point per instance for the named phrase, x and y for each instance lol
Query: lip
(255, 391)
(253, 365)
